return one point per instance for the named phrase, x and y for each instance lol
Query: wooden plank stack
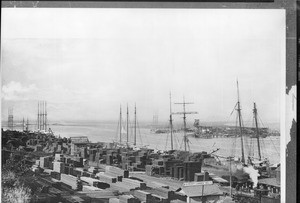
(59, 167)
(44, 162)
(143, 196)
(134, 183)
(69, 180)
(117, 171)
(87, 188)
(107, 178)
(128, 199)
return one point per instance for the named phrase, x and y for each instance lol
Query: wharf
(98, 172)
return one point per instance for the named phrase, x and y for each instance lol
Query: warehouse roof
(196, 190)
(219, 180)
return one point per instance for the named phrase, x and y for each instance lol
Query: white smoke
(238, 170)
(252, 173)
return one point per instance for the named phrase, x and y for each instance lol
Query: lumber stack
(123, 187)
(44, 162)
(143, 196)
(119, 177)
(114, 200)
(59, 167)
(90, 181)
(128, 199)
(107, 178)
(55, 175)
(87, 188)
(117, 171)
(135, 183)
(69, 180)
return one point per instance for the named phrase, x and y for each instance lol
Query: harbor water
(109, 132)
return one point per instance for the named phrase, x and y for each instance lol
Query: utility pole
(230, 180)
(171, 123)
(257, 131)
(184, 122)
(240, 122)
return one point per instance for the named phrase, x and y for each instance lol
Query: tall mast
(134, 142)
(240, 122)
(45, 115)
(41, 115)
(171, 123)
(27, 124)
(23, 123)
(10, 119)
(257, 131)
(38, 115)
(184, 126)
(185, 139)
(127, 133)
(44, 103)
(120, 124)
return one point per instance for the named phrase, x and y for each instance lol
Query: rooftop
(269, 181)
(198, 190)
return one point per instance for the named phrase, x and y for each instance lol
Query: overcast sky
(87, 62)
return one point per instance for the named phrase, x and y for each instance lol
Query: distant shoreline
(271, 125)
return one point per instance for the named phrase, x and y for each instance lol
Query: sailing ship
(119, 142)
(257, 168)
(258, 163)
(254, 161)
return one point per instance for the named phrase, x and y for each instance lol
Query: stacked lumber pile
(136, 183)
(106, 178)
(69, 180)
(143, 196)
(117, 171)
(128, 199)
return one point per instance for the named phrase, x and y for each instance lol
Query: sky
(86, 63)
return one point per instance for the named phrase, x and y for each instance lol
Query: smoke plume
(252, 173)
(240, 171)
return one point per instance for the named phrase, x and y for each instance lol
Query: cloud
(16, 91)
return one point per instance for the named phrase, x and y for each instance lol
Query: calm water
(108, 132)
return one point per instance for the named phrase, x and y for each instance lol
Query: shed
(197, 193)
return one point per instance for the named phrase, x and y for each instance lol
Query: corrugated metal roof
(196, 190)
(220, 180)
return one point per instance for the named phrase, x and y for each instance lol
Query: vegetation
(13, 187)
